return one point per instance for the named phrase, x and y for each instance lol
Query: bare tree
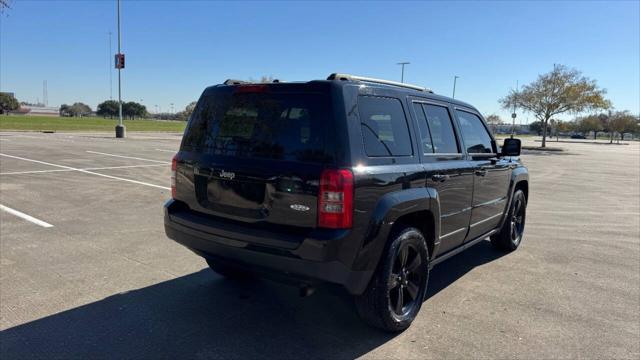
(494, 120)
(559, 91)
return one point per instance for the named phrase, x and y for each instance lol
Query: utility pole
(513, 115)
(110, 71)
(120, 129)
(45, 94)
(455, 78)
(402, 74)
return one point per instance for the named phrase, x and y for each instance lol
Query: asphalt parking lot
(97, 277)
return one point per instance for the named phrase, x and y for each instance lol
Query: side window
(425, 136)
(441, 128)
(384, 127)
(475, 136)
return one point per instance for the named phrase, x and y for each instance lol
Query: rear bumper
(310, 260)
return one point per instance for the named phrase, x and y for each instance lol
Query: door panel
(490, 190)
(447, 171)
(453, 180)
(491, 176)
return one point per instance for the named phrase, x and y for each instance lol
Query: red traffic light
(119, 61)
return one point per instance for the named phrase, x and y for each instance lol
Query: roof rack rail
(349, 77)
(235, 82)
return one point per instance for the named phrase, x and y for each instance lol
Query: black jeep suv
(354, 181)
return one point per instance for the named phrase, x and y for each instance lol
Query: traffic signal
(119, 61)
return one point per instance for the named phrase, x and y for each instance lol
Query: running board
(460, 249)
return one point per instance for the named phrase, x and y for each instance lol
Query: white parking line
(65, 170)
(171, 151)
(127, 157)
(25, 216)
(87, 172)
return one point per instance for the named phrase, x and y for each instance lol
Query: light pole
(402, 74)
(120, 129)
(455, 79)
(110, 72)
(514, 115)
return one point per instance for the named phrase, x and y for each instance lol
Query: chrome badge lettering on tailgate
(227, 175)
(299, 207)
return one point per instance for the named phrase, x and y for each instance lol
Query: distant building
(506, 129)
(37, 110)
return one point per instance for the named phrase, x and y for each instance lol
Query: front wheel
(510, 235)
(396, 292)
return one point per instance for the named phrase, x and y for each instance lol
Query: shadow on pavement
(204, 316)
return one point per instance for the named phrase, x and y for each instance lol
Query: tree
(65, 110)
(559, 91)
(559, 126)
(536, 127)
(633, 126)
(8, 103)
(79, 109)
(108, 108)
(589, 123)
(621, 122)
(188, 110)
(131, 109)
(494, 120)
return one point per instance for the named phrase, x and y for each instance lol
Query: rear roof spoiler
(242, 82)
(349, 77)
(235, 82)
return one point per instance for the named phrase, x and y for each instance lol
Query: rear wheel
(228, 270)
(396, 292)
(510, 235)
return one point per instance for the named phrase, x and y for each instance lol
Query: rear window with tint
(384, 127)
(262, 125)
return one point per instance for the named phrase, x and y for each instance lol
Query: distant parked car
(578, 136)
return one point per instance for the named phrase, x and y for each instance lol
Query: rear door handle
(440, 177)
(481, 172)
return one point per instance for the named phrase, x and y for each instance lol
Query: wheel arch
(418, 207)
(422, 220)
(524, 186)
(519, 181)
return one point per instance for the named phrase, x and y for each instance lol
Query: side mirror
(511, 147)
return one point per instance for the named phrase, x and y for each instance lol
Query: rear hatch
(253, 154)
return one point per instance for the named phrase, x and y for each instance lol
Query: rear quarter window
(384, 127)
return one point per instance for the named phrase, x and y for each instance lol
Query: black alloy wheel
(406, 280)
(517, 220)
(510, 235)
(396, 291)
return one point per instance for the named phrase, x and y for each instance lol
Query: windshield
(288, 126)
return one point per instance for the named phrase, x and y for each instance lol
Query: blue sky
(175, 49)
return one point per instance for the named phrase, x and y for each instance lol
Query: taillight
(335, 200)
(250, 89)
(174, 166)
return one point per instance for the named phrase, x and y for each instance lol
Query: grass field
(41, 123)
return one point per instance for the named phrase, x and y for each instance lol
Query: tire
(510, 235)
(395, 294)
(227, 270)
